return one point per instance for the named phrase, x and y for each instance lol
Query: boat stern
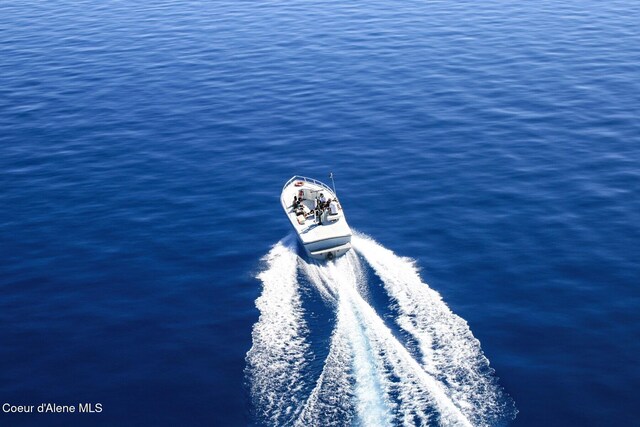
(330, 253)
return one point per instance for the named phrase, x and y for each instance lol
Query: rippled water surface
(143, 146)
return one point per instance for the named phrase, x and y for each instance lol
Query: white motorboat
(317, 217)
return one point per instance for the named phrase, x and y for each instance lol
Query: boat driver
(322, 200)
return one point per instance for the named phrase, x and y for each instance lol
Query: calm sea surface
(143, 146)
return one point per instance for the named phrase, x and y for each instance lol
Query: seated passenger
(301, 195)
(296, 203)
(322, 200)
(300, 215)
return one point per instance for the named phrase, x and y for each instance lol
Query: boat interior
(311, 208)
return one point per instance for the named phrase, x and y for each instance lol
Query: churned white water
(369, 377)
(449, 351)
(279, 351)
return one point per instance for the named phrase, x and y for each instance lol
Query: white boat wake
(369, 377)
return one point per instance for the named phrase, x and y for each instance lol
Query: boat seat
(333, 217)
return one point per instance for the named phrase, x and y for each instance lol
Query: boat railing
(305, 179)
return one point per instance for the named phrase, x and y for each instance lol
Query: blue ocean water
(143, 147)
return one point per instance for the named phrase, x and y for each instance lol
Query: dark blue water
(143, 146)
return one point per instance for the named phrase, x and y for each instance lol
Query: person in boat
(300, 216)
(318, 210)
(333, 206)
(322, 201)
(301, 195)
(296, 202)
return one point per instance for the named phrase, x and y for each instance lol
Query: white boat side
(323, 237)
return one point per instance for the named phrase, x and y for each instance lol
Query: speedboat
(317, 217)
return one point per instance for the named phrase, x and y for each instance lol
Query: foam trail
(331, 401)
(368, 378)
(382, 367)
(371, 404)
(279, 353)
(418, 390)
(449, 350)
